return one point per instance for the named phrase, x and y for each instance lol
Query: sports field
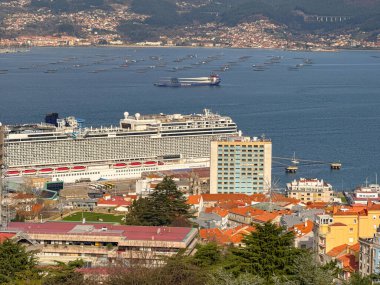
(94, 217)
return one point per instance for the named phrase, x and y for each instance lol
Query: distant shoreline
(5, 50)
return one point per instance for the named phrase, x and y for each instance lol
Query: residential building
(365, 194)
(347, 258)
(99, 244)
(345, 225)
(304, 235)
(240, 165)
(310, 190)
(369, 257)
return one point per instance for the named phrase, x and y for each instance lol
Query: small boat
(62, 169)
(78, 168)
(294, 160)
(45, 170)
(135, 164)
(120, 165)
(161, 163)
(29, 171)
(12, 173)
(150, 163)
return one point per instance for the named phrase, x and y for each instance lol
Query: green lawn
(94, 217)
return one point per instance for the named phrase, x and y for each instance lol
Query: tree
(165, 206)
(307, 272)
(16, 263)
(207, 255)
(65, 274)
(357, 279)
(268, 252)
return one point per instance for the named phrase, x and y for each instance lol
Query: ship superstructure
(66, 151)
(212, 80)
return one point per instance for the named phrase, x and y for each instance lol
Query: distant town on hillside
(295, 24)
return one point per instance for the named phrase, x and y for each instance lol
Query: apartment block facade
(240, 165)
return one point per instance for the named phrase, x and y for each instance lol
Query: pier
(291, 169)
(302, 162)
(335, 165)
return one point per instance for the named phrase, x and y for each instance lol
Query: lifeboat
(135, 164)
(119, 165)
(12, 173)
(78, 168)
(150, 163)
(62, 169)
(29, 171)
(160, 163)
(45, 170)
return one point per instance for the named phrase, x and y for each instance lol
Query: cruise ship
(66, 151)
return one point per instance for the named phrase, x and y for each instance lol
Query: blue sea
(325, 111)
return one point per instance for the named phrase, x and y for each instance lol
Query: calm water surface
(327, 111)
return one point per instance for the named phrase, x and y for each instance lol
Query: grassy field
(94, 217)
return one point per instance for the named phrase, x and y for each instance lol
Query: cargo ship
(212, 80)
(65, 150)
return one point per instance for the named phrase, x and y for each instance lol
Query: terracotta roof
(266, 217)
(302, 229)
(225, 197)
(24, 196)
(247, 211)
(348, 262)
(338, 250)
(231, 204)
(5, 236)
(115, 201)
(215, 235)
(355, 247)
(234, 235)
(194, 199)
(338, 225)
(316, 205)
(216, 210)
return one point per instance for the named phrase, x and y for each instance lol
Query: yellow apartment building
(345, 226)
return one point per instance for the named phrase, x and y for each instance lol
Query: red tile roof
(216, 210)
(266, 217)
(355, 247)
(130, 232)
(225, 197)
(5, 236)
(114, 201)
(234, 235)
(349, 263)
(302, 229)
(247, 211)
(338, 250)
(194, 199)
(338, 225)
